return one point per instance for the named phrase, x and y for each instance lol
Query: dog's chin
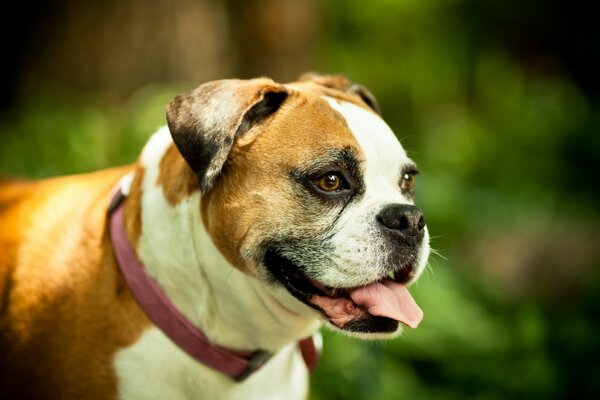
(369, 328)
(341, 308)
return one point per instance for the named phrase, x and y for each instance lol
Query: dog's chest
(155, 368)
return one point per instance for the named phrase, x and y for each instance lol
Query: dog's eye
(330, 182)
(408, 182)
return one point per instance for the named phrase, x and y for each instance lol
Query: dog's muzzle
(377, 305)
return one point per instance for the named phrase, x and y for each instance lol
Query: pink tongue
(388, 299)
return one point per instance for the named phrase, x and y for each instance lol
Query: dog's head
(306, 188)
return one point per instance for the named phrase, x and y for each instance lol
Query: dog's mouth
(376, 307)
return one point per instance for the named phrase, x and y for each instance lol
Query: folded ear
(205, 122)
(341, 83)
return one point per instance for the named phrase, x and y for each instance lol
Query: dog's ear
(205, 122)
(341, 83)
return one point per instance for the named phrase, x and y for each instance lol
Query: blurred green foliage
(501, 142)
(508, 151)
(56, 132)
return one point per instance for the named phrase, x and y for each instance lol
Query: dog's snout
(404, 218)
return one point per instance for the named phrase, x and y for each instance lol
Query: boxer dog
(260, 212)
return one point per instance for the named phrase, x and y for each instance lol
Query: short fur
(207, 198)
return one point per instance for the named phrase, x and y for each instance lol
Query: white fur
(358, 251)
(155, 368)
(179, 254)
(125, 183)
(237, 310)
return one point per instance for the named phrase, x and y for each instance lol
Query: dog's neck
(232, 308)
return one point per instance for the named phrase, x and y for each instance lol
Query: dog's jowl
(260, 212)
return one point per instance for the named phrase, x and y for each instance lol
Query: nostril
(421, 223)
(403, 223)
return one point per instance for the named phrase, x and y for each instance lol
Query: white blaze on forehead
(359, 248)
(384, 155)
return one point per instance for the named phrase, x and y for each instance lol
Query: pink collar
(157, 306)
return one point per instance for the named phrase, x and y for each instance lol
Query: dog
(260, 212)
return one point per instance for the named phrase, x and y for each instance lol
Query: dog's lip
(402, 275)
(385, 297)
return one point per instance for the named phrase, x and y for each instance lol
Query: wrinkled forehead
(384, 157)
(311, 124)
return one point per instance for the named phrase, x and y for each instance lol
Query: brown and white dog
(262, 211)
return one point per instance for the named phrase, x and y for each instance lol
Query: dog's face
(306, 188)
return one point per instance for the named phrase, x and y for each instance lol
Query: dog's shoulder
(58, 278)
(45, 225)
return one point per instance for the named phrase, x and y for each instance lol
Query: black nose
(404, 218)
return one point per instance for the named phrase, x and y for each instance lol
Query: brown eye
(408, 182)
(329, 183)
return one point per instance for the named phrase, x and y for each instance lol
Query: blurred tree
(116, 46)
(273, 38)
(113, 47)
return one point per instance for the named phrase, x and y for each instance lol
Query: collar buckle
(258, 359)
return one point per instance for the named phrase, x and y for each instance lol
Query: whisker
(436, 237)
(437, 253)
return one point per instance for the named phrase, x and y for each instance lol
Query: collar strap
(157, 306)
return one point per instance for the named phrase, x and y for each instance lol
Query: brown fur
(176, 177)
(255, 184)
(61, 295)
(133, 210)
(64, 307)
(334, 88)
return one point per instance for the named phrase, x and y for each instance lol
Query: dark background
(498, 102)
